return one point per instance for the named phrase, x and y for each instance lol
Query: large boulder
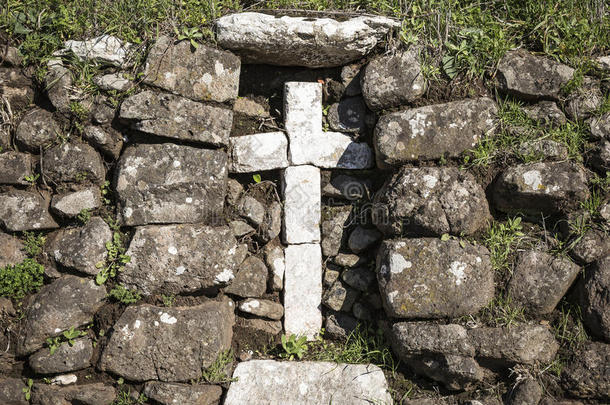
(168, 344)
(588, 374)
(301, 41)
(167, 183)
(25, 211)
(36, 130)
(431, 201)
(203, 74)
(73, 163)
(175, 259)
(431, 278)
(595, 299)
(433, 131)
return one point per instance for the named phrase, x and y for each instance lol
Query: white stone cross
(301, 154)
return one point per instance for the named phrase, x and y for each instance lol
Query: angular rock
(340, 297)
(532, 77)
(171, 116)
(419, 338)
(102, 112)
(107, 140)
(234, 191)
(203, 74)
(543, 149)
(12, 251)
(593, 245)
(584, 101)
(393, 80)
(168, 344)
(588, 374)
(430, 278)
(540, 280)
(330, 276)
(600, 126)
(66, 358)
(262, 325)
(252, 210)
(37, 129)
(433, 131)
(105, 49)
(113, 82)
(333, 229)
(350, 78)
(65, 303)
(545, 112)
(274, 382)
(16, 88)
(86, 394)
(600, 156)
(183, 394)
(252, 153)
(455, 372)
(14, 167)
(431, 201)
(73, 163)
(348, 115)
(59, 85)
(528, 392)
(362, 238)
(274, 257)
(349, 260)
(250, 108)
(302, 206)
(11, 391)
(72, 203)
(301, 41)
(339, 325)
(250, 280)
(263, 308)
(240, 228)
(595, 299)
(548, 187)
(175, 259)
(272, 224)
(346, 187)
(167, 183)
(10, 56)
(25, 211)
(359, 278)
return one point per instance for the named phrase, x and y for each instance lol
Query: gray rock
(348, 115)
(363, 312)
(5, 138)
(272, 224)
(593, 245)
(81, 249)
(333, 229)
(289, 382)
(600, 156)
(600, 126)
(37, 129)
(113, 82)
(11, 391)
(455, 372)
(346, 187)
(105, 49)
(10, 56)
(73, 163)
(274, 257)
(252, 210)
(168, 344)
(547, 187)
(25, 211)
(168, 183)
(340, 297)
(12, 251)
(359, 278)
(263, 308)
(240, 228)
(393, 80)
(528, 392)
(430, 278)
(102, 112)
(251, 108)
(85, 394)
(349, 260)
(362, 238)
(250, 280)
(66, 358)
(203, 74)
(65, 303)
(16, 88)
(350, 78)
(72, 203)
(59, 85)
(262, 325)
(431, 201)
(234, 191)
(594, 295)
(433, 131)
(584, 101)
(543, 149)
(301, 41)
(171, 116)
(420, 338)
(588, 374)
(545, 112)
(532, 77)
(183, 394)
(107, 140)
(339, 325)
(175, 259)
(329, 277)
(14, 167)
(540, 280)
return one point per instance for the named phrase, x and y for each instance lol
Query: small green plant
(168, 300)
(81, 177)
(256, 178)
(124, 296)
(84, 216)
(503, 312)
(294, 346)
(105, 192)
(125, 398)
(67, 336)
(16, 281)
(216, 373)
(80, 112)
(190, 34)
(27, 390)
(115, 260)
(502, 239)
(32, 178)
(33, 243)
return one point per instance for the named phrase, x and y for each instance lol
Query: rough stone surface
(528, 392)
(203, 74)
(431, 201)
(37, 129)
(600, 126)
(175, 259)
(600, 156)
(65, 303)
(349, 260)
(588, 374)
(348, 115)
(252, 210)
(340, 297)
(113, 81)
(262, 325)
(11, 391)
(105, 49)
(301, 41)
(595, 299)
(272, 224)
(72, 203)
(14, 167)
(585, 100)
(168, 344)
(177, 117)
(430, 278)
(455, 372)
(85, 394)
(10, 56)
(25, 211)
(73, 163)
(66, 358)
(545, 112)
(433, 131)
(12, 250)
(16, 88)
(345, 187)
(359, 278)
(593, 245)
(540, 280)
(548, 187)
(302, 207)
(532, 77)
(393, 80)
(167, 183)
(274, 257)
(543, 148)
(250, 280)
(59, 85)
(252, 153)
(240, 228)
(250, 108)
(183, 394)
(263, 308)
(332, 229)
(362, 238)
(339, 325)
(267, 382)
(107, 140)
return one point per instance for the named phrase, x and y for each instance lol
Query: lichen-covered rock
(543, 149)
(348, 115)
(301, 41)
(105, 49)
(528, 392)
(59, 85)
(107, 140)
(431, 278)
(11, 392)
(532, 77)
(113, 81)
(595, 299)
(593, 245)
(167, 183)
(70, 204)
(272, 223)
(203, 74)
(393, 80)
(548, 187)
(433, 131)
(340, 297)
(588, 374)
(585, 100)
(431, 201)
(600, 126)
(264, 308)
(251, 209)
(37, 129)
(12, 251)
(14, 167)
(25, 211)
(174, 259)
(171, 116)
(68, 302)
(85, 394)
(250, 280)
(333, 229)
(67, 357)
(168, 344)
(455, 372)
(16, 88)
(183, 394)
(73, 163)
(545, 112)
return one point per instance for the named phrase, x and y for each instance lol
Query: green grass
(216, 373)
(502, 312)
(502, 239)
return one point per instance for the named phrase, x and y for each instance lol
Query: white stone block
(303, 290)
(274, 256)
(252, 153)
(303, 118)
(302, 206)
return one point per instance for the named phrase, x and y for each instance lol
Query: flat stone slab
(433, 131)
(431, 278)
(252, 153)
(182, 394)
(73, 163)
(301, 41)
(302, 205)
(15, 166)
(177, 117)
(268, 382)
(168, 344)
(25, 211)
(72, 203)
(167, 183)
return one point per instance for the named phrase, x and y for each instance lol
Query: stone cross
(300, 153)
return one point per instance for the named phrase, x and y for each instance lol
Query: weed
(33, 244)
(16, 281)
(216, 373)
(168, 300)
(124, 296)
(84, 216)
(568, 327)
(27, 390)
(32, 178)
(66, 336)
(293, 347)
(593, 203)
(105, 192)
(189, 34)
(125, 398)
(257, 178)
(502, 239)
(502, 312)
(115, 260)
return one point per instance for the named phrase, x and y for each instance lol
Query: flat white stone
(267, 382)
(303, 290)
(274, 257)
(251, 153)
(105, 49)
(112, 81)
(334, 150)
(302, 206)
(71, 204)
